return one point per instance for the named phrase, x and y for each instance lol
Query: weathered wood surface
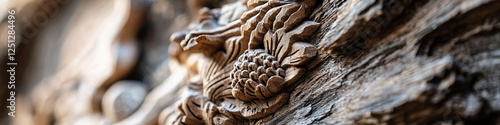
(424, 62)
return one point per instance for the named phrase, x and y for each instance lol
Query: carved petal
(253, 18)
(293, 74)
(250, 87)
(257, 36)
(234, 48)
(192, 110)
(253, 3)
(300, 53)
(295, 19)
(263, 91)
(223, 120)
(270, 17)
(303, 31)
(257, 108)
(249, 14)
(269, 40)
(263, 27)
(240, 95)
(285, 12)
(275, 84)
(264, 7)
(250, 25)
(283, 46)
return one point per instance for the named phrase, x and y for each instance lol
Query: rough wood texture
(435, 62)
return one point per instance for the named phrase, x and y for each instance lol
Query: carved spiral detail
(256, 75)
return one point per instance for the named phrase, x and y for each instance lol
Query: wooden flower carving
(256, 75)
(251, 59)
(275, 57)
(276, 51)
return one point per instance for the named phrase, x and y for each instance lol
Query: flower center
(256, 75)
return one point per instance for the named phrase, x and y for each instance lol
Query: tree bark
(400, 62)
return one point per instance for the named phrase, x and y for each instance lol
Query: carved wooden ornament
(252, 59)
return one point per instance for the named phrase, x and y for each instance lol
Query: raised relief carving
(252, 59)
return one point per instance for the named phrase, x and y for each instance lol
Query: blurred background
(71, 54)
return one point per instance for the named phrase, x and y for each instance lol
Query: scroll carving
(251, 59)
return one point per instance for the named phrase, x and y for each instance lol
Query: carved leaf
(283, 16)
(284, 40)
(253, 3)
(192, 110)
(256, 109)
(300, 53)
(303, 31)
(293, 74)
(295, 19)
